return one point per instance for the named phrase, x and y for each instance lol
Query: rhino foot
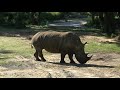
(37, 60)
(72, 62)
(43, 60)
(62, 62)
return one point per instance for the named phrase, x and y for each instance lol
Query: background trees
(107, 22)
(20, 19)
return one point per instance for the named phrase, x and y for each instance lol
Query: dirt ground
(102, 65)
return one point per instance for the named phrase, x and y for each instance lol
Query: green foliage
(21, 19)
(12, 19)
(108, 22)
(49, 16)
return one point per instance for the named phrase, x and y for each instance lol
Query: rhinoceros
(59, 42)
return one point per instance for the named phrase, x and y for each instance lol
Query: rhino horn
(87, 54)
(89, 57)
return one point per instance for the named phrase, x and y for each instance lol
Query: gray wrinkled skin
(59, 42)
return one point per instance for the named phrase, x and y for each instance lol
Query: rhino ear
(85, 43)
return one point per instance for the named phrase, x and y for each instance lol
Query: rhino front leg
(62, 57)
(71, 58)
(41, 55)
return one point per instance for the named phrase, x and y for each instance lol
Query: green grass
(12, 46)
(95, 47)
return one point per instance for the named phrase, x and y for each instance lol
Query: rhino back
(49, 40)
(53, 41)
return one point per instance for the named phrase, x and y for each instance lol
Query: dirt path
(69, 23)
(100, 66)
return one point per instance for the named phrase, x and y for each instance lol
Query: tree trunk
(93, 17)
(109, 23)
(101, 18)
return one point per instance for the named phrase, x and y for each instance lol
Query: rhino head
(81, 56)
(82, 59)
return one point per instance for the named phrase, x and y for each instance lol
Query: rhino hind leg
(70, 55)
(41, 55)
(36, 56)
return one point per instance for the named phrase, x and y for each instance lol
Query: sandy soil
(100, 66)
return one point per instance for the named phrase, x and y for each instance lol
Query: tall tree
(109, 23)
(93, 17)
(101, 19)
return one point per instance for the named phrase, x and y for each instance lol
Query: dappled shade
(6, 51)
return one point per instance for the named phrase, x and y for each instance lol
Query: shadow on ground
(4, 58)
(108, 42)
(27, 32)
(6, 51)
(83, 65)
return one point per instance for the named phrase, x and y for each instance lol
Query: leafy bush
(20, 19)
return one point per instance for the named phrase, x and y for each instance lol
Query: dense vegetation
(108, 22)
(21, 19)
